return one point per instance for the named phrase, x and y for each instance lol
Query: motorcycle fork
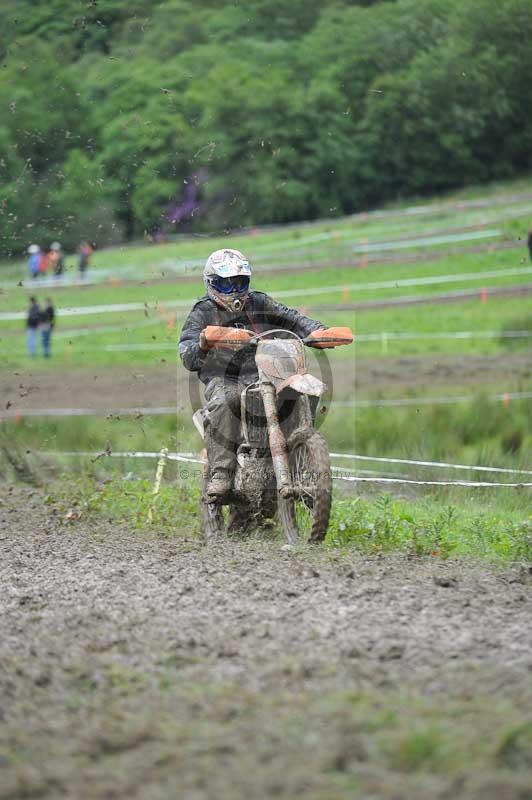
(276, 439)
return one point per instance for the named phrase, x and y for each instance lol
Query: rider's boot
(219, 484)
(222, 431)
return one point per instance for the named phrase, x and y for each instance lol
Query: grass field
(161, 319)
(321, 268)
(508, 206)
(490, 523)
(393, 661)
(323, 277)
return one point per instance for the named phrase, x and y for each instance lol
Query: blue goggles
(237, 283)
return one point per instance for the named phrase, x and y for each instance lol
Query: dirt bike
(283, 462)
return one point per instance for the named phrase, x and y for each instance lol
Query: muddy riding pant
(222, 422)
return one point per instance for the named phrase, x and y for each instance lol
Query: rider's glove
(325, 338)
(220, 337)
(203, 342)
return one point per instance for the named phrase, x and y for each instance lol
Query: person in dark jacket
(85, 253)
(47, 326)
(57, 261)
(225, 372)
(33, 321)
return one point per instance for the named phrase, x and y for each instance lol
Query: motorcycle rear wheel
(306, 516)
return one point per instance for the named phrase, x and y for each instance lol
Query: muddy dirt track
(144, 387)
(134, 666)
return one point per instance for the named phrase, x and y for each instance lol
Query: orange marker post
(483, 295)
(506, 399)
(170, 322)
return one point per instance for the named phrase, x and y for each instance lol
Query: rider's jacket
(260, 313)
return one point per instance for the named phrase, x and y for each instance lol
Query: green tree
(287, 109)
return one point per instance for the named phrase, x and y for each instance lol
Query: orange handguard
(330, 337)
(231, 338)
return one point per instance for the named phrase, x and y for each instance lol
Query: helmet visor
(237, 283)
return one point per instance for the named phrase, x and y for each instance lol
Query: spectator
(47, 326)
(57, 262)
(34, 253)
(530, 244)
(44, 262)
(32, 324)
(85, 253)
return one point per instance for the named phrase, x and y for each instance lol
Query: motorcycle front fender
(303, 384)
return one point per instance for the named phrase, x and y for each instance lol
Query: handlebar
(219, 337)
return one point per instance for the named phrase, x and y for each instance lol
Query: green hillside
(124, 119)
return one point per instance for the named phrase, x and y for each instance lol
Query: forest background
(131, 118)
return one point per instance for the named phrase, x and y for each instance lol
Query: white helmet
(33, 248)
(55, 246)
(226, 277)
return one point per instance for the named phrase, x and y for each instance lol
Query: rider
(230, 303)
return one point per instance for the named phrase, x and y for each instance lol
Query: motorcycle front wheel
(305, 516)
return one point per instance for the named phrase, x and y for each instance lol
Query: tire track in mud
(259, 583)
(103, 630)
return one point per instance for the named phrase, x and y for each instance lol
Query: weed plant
(482, 432)
(433, 526)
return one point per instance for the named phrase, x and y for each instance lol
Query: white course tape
(395, 284)
(351, 478)
(433, 483)
(427, 401)
(440, 464)
(426, 241)
(377, 246)
(74, 333)
(86, 412)
(379, 472)
(378, 337)
(140, 347)
(360, 337)
(188, 457)
(465, 277)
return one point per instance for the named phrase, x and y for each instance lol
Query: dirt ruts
(140, 666)
(146, 386)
